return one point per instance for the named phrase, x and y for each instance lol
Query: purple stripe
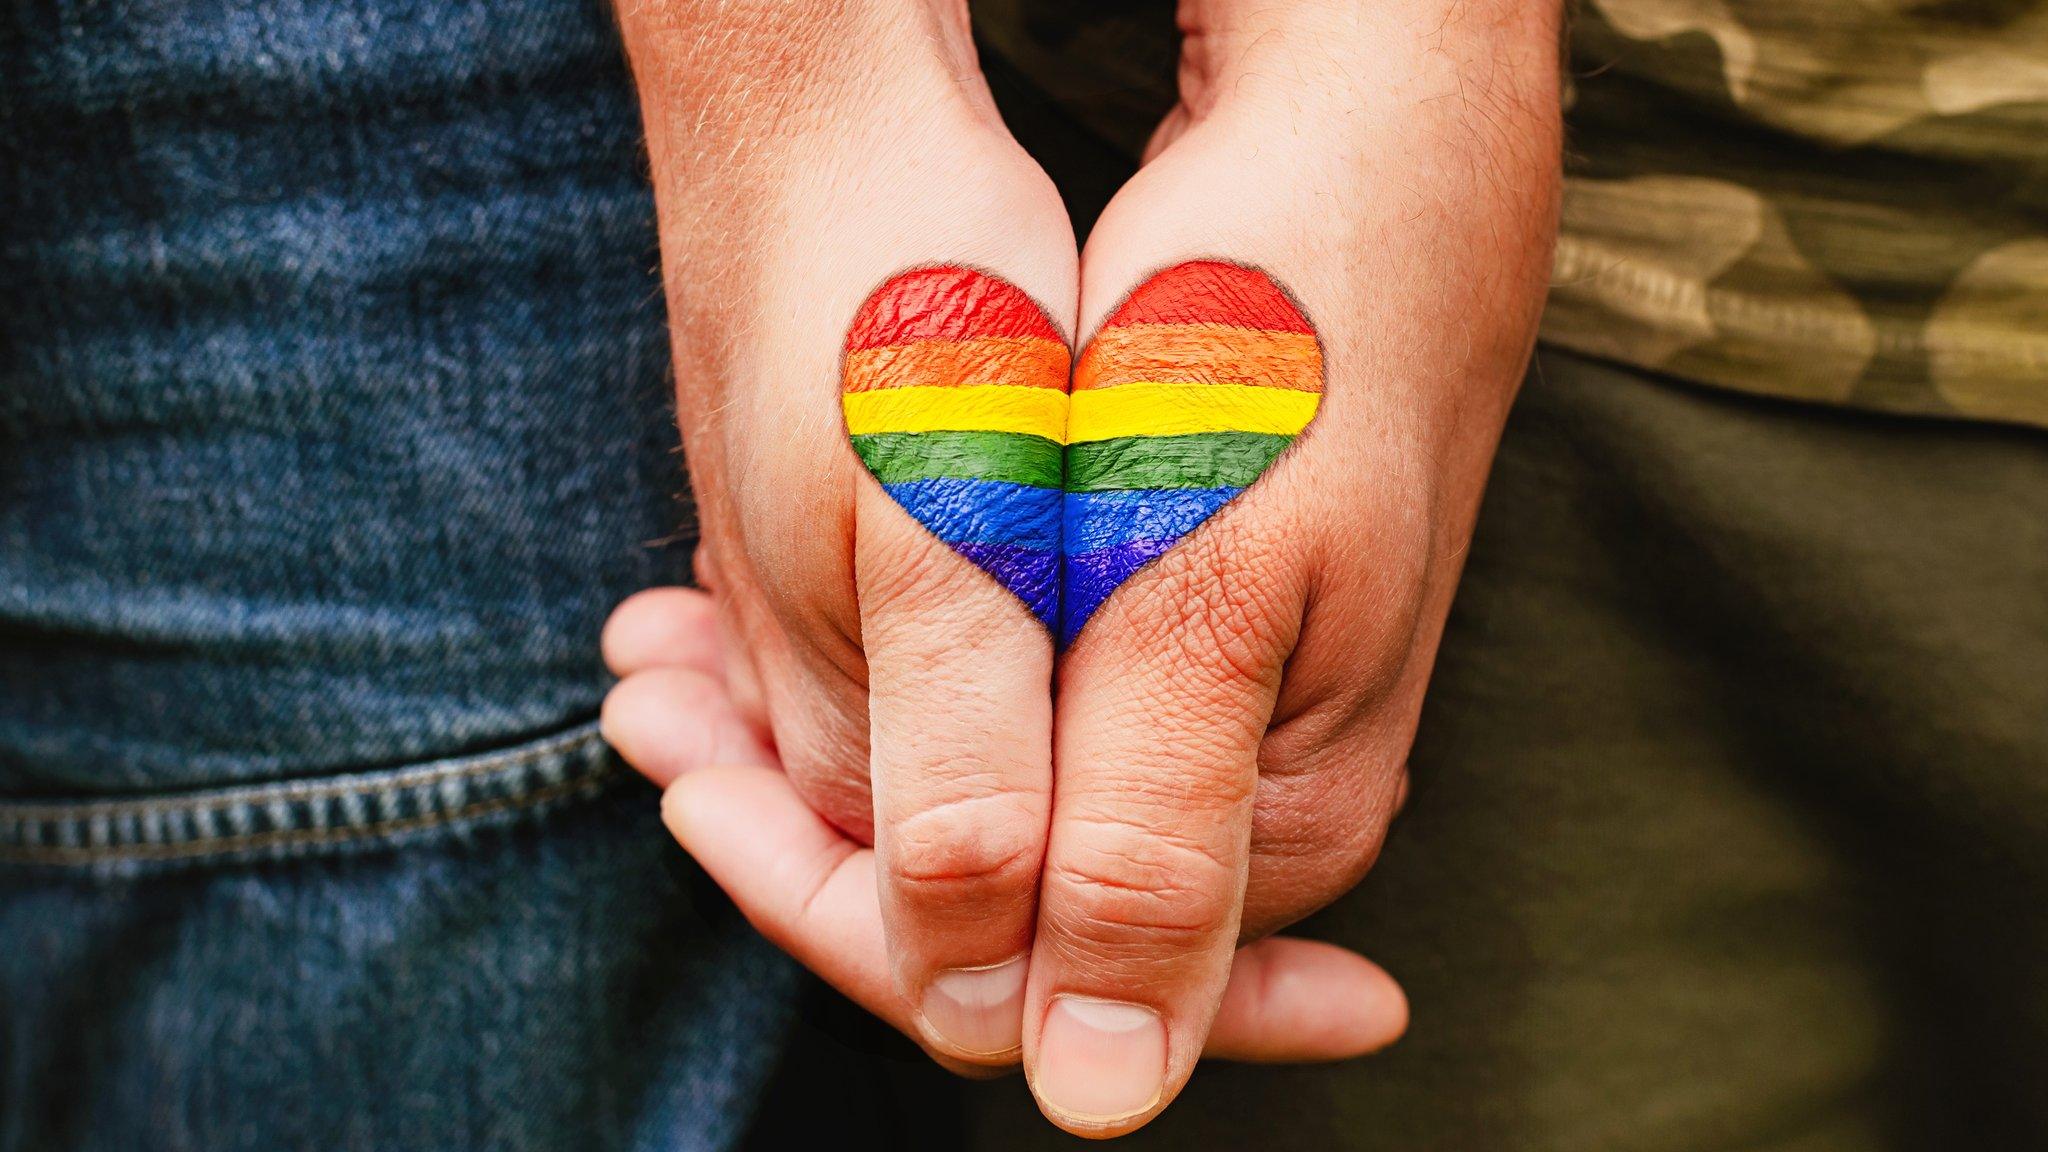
(1032, 574)
(1091, 576)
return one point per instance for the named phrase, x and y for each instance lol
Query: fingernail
(1099, 1060)
(978, 1011)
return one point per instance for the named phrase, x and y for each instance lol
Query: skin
(1228, 736)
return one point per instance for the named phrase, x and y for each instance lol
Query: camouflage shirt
(1842, 201)
(1833, 200)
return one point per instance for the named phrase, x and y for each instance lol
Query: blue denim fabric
(333, 385)
(490, 953)
(333, 418)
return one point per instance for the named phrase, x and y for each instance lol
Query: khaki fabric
(1832, 200)
(1839, 201)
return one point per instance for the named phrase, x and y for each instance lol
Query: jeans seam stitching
(300, 837)
(299, 814)
(396, 779)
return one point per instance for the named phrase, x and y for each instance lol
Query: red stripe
(1212, 292)
(946, 304)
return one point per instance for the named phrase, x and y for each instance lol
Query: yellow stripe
(1141, 409)
(1186, 409)
(969, 408)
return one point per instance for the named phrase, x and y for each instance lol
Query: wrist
(1341, 56)
(784, 71)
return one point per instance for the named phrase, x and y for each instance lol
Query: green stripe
(1016, 457)
(1206, 460)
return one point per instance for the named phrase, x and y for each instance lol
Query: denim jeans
(333, 418)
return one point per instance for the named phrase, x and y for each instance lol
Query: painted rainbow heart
(955, 396)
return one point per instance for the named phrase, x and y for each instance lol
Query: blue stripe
(1099, 520)
(983, 511)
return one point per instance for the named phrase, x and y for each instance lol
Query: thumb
(956, 401)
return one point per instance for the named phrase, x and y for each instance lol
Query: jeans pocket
(391, 806)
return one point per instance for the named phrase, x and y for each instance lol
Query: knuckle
(1336, 871)
(1313, 840)
(1303, 875)
(1335, 803)
(1318, 737)
(966, 853)
(1118, 886)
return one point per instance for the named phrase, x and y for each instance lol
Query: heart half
(955, 392)
(954, 388)
(1189, 392)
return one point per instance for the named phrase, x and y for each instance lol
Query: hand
(1232, 723)
(801, 159)
(804, 155)
(812, 890)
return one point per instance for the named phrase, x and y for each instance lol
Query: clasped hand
(1079, 851)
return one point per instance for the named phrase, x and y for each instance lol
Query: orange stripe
(1200, 354)
(1019, 361)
